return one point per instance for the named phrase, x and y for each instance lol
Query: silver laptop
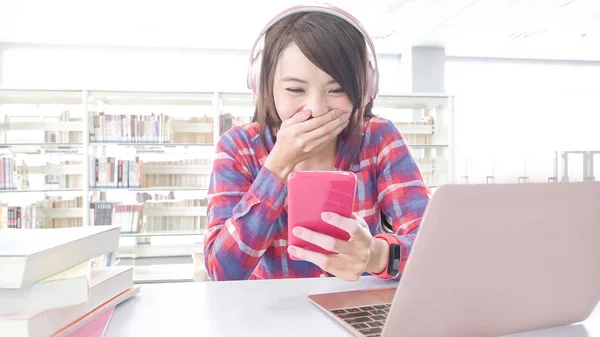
(489, 260)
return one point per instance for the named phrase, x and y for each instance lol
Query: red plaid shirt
(246, 236)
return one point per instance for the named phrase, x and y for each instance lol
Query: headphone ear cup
(255, 72)
(372, 85)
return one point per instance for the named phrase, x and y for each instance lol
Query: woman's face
(299, 84)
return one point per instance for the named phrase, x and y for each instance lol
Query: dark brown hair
(333, 45)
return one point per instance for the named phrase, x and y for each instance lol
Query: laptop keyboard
(369, 320)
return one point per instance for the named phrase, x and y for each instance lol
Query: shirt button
(323, 275)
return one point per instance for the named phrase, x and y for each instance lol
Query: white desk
(256, 308)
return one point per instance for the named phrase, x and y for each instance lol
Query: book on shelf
(11, 131)
(10, 217)
(110, 172)
(64, 136)
(156, 213)
(15, 175)
(102, 213)
(227, 121)
(58, 203)
(150, 128)
(186, 173)
(129, 128)
(40, 214)
(7, 169)
(104, 260)
(196, 130)
(66, 181)
(164, 216)
(129, 217)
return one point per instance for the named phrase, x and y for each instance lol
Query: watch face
(394, 261)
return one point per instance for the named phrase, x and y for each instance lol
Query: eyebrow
(295, 79)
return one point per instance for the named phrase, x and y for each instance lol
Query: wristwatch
(394, 257)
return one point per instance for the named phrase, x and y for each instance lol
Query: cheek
(342, 102)
(286, 105)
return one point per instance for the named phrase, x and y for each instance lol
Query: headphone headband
(323, 8)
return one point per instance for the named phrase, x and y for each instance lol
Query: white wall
(512, 111)
(64, 67)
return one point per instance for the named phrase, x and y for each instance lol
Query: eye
(295, 90)
(338, 91)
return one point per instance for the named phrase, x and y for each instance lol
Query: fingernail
(292, 250)
(325, 216)
(297, 231)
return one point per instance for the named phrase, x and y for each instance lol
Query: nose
(317, 104)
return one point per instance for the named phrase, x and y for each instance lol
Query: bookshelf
(143, 159)
(427, 123)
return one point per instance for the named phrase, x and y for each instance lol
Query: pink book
(96, 327)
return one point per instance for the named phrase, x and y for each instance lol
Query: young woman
(314, 97)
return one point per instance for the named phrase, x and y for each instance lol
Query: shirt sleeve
(241, 212)
(402, 193)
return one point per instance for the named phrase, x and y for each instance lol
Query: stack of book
(48, 286)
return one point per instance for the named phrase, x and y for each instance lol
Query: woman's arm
(402, 194)
(241, 213)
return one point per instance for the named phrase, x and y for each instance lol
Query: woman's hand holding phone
(300, 137)
(361, 253)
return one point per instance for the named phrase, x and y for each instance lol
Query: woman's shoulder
(378, 129)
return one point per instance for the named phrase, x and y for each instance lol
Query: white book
(63, 289)
(28, 256)
(106, 284)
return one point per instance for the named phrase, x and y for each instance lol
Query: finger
(326, 262)
(360, 220)
(341, 266)
(322, 240)
(318, 144)
(353, 227)
(323, 136)
(296, 118)
(318, 122)
(345, 274)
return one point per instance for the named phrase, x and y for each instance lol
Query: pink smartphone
(312, 192)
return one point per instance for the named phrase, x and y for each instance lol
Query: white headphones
(256, 58)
